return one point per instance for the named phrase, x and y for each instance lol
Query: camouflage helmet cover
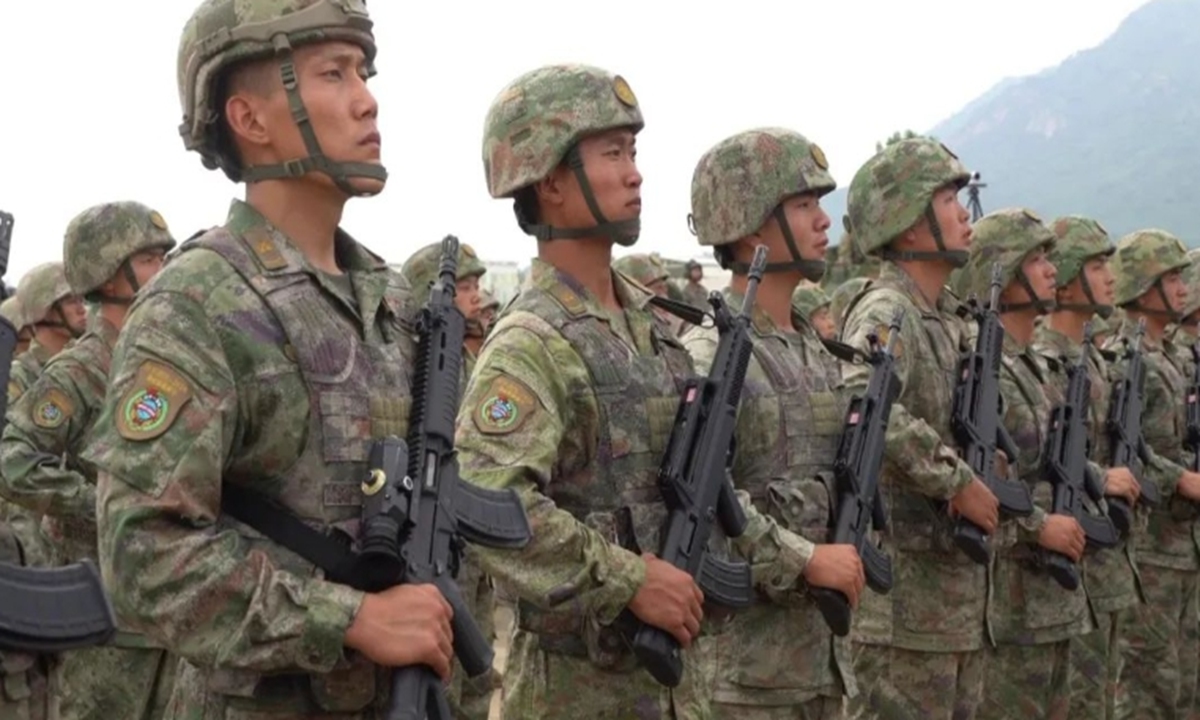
(740, 181)
(223, 33)
(12, 311)
(542, 114)
(645, 269)
(807, 299)
(1079, 239)
(100, 239)
(891, 191)
(1142, 258)
(1191, 278)
(1006, 237)
(421, 268)
(40, 288)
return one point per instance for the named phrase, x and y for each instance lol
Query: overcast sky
(89, 109)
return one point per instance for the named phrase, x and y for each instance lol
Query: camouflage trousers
(1096, 668)
(471, 698)
(1160, 647)
(822, 708)
(541, 685)
(24, 687)
(898, 684)
(106, 683)
(1027, 682)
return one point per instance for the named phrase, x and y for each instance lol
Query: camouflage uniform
(41, 289)
(778, 659)
(1031, 616)
(469, 697)
(842, 297)
(1160, 645)
(42, 468)
(694, 293)
(919, 649)
(243, 366)
(646, 270)
(847, 262)
(1109, 575)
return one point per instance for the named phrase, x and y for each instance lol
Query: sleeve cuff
(619, 580)
(1029, 528)
(331, 610)
(960, 477)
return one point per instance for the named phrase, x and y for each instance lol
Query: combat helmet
(743, 180)
(642, 268)
(1142, 259)
(421, 269)
(537, 122)
(1191, 278)
(12, 311)
(223, 33)
(101, 240)
(1005, 237)
(807, 299)
(41, 291)
(1078, 240)
(894, 189)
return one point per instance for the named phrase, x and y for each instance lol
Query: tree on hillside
(897, 137)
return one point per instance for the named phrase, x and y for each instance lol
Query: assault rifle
(856, 469)
(1068, 471)
(1124, 424)
(694, 480)
(977, 425)
(417, 510)
(44, 610)
(1192, 436)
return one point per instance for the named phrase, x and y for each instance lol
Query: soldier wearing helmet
(252, 375)
(919, 649)
(1160, 646)
(1187, 331)
(763, 187)
(1033, 617)
(810, 305)
(650, 272)
(1085, 283)
(12, 311)
(421, 269)
(694, 292)
(109, 252)
(56, 316)
(569, 392)
(488, 310)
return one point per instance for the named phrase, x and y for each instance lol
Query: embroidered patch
(624, 92)
(504, 407)
(52, 409)
(157, 221)
(265, 249)
(152, 402)
(882, 333)
(14, 391)
(818, 156)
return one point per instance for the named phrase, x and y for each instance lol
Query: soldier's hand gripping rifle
(1192, 436)
(44, 610)
(1124, 425)
(1068, 471)
(694, 480)
(417, 510)
(977, 425)
(856, 469)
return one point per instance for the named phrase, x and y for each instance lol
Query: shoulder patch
(883, 334)
(14, 391)
(152, 403)
(505, 405)
(52, 409)
(265, 250)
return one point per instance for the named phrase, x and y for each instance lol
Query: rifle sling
(321, 549)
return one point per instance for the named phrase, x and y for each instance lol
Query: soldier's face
(808, 224)
(658, 287)
(1100, 279)
(953, 220)
(343, 112)
(1041, 275)
(822, 322)
(610, 163)
(696, 274)
(1175, 290)
(466, 296)
(72, 313)
(146, 264)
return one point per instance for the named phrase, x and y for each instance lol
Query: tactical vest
(358, 391)
(616, 494)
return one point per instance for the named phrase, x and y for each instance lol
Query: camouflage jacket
(1029, 607)
(695, 294)
(781, 652)
(937, 603)
(1110, 576)
(25, 370)
(241, 364)
(1168, 541)
(46, 432)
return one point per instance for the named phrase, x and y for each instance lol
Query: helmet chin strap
(1091, 306)
(955, 258)
(1170, 312)
(56, 306)
(340, 172)
(621, 232)
(1042, 306)
(811, 270)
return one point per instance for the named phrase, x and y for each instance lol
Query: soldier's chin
(366, 187)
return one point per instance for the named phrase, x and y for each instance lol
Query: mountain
(1112, 132)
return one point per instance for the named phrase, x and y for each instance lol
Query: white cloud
(90, 108)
